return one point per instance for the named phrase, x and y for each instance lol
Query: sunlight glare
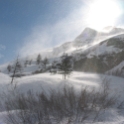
(103, 13)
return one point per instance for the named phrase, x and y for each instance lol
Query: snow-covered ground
(78, 80)
(118, 70)
(55, 81)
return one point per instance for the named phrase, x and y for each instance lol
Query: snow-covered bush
(66, 105)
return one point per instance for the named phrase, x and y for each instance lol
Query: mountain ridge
(93, 51)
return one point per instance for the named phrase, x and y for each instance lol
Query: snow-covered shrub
(41, 108)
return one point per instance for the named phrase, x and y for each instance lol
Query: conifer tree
(38, 60)
(9, 68)
(66, 65)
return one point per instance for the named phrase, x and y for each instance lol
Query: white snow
(78, 80)
(117, 69)
(102, 50)
(46, 81)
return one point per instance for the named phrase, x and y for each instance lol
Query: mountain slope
(85, 41)
(105, 55)
(92, 51)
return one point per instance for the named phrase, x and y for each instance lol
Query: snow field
(77, 80)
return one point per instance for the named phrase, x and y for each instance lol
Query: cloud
(47, 36)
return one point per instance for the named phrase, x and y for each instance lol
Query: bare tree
(14, 72)
(16, 68)
(66, 104)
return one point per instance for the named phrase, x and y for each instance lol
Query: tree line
(64, 66)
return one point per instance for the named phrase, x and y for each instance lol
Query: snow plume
(47, 36)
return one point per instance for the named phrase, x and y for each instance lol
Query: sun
(102, 13)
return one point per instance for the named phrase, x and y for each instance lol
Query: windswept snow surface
(46, 81)
(117, 69)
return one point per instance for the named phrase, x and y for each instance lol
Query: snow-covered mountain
(92, 51)
(95, 51)
(87, 35)
(87, 39)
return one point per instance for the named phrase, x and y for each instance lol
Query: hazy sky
(29, 26)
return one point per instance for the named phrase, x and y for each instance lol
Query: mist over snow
(67, 29)
(47, 36)
(79, 47)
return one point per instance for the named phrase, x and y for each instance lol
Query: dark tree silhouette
(66, 65)
(38, 60)
(45, 62)
(16, 68)
(26, 63)
(9, 68)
